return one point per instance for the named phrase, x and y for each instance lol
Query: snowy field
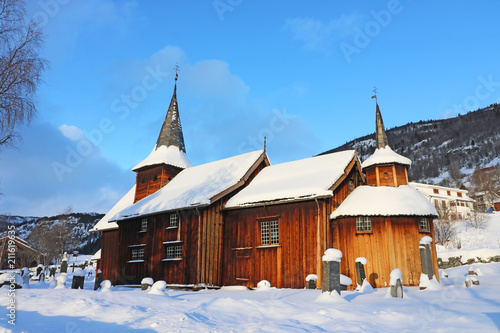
(449, 308)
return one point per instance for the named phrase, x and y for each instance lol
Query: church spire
(171, 131)
(381, 137)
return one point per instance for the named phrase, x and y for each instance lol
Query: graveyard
(465, 300)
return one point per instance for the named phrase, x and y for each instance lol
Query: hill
(80, 223)
(442, 151)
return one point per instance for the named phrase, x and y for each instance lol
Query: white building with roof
(450, 202)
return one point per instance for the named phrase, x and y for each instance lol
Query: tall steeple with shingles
(380, 135)
(171, 131)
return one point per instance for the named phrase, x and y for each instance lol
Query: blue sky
(301, 73)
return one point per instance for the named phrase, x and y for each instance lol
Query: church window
(423, 225)
(174, 251)
(351, 185)
(269, 232)
(363, 224)
(137, 253)
(143, 180)
(144, 225)
(155, 177)
(173, 220)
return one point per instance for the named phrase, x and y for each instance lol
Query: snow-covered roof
(384, 156)
(196, 186)
(126, 201)
(298, 180)
(385, 201)
(97, 255)
(171, 155)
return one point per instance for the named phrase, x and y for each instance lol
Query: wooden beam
(377, 175)
(394, 175)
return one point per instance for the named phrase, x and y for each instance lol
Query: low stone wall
(457, 261)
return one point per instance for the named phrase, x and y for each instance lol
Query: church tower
(385, 167)
(168, 157)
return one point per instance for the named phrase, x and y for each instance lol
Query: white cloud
(319, 35)
(72, 132)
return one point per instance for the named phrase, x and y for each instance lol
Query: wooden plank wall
(393, 243)
(109, 264)
(286, 265)
(146, 183)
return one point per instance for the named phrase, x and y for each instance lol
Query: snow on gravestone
(263, 285)
(146, 283)
(61, 281)
(158, 288)
(331, 270)
(105, 286)
(426, 262)
(396, 283)
(311, 281)
(360, 270)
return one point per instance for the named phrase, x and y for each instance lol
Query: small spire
(171, 131)
(265, 143)
(380, 135)
(355, 148)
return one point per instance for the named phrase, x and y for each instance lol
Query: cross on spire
(177, 70)
(375, 94)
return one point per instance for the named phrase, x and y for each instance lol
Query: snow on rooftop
(384, 156)
(303, 179)
(126, 201)
(385, 201)
(171, 155)
(194, 186)
(97, 255)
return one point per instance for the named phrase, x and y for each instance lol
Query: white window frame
(144, 225)
(174, 220)
(174, 251)
(137, 253)
(423, 225)
(269, 232)
(363, 224)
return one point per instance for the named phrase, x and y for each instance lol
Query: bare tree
(444, 226)
(21, 67)
(477, 220)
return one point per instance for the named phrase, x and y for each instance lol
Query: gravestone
(331, 270)
(426, 259)
(41, 276)
(52, 270)
(360, 270)
(311, 281)
(39, 269)
(78, 279)
(98, 279)
(26, 279)
(396, 283)
(146, 283)
(64, 266)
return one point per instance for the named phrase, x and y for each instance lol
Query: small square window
(423, 224)
(435, 190)
(137, 253)
(269, 232)
(173, 220)
(351, 185)
(448, 192)
(174, 251)
(144, 224)
(363, 224)
(459, 194)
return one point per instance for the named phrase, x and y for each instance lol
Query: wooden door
(242, 266)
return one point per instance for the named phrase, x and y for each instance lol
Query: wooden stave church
(221, 244)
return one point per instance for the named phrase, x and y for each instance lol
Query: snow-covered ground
(450, 308)
(482, 243)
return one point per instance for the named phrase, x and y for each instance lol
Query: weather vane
(375, 92)
(176, 69)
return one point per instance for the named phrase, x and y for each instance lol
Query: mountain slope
(445, 148)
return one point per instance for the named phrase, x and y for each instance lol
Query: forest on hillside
(443, 149)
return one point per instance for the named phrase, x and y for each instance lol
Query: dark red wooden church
(240, 220)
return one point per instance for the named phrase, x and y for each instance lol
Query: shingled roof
(169, 148)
